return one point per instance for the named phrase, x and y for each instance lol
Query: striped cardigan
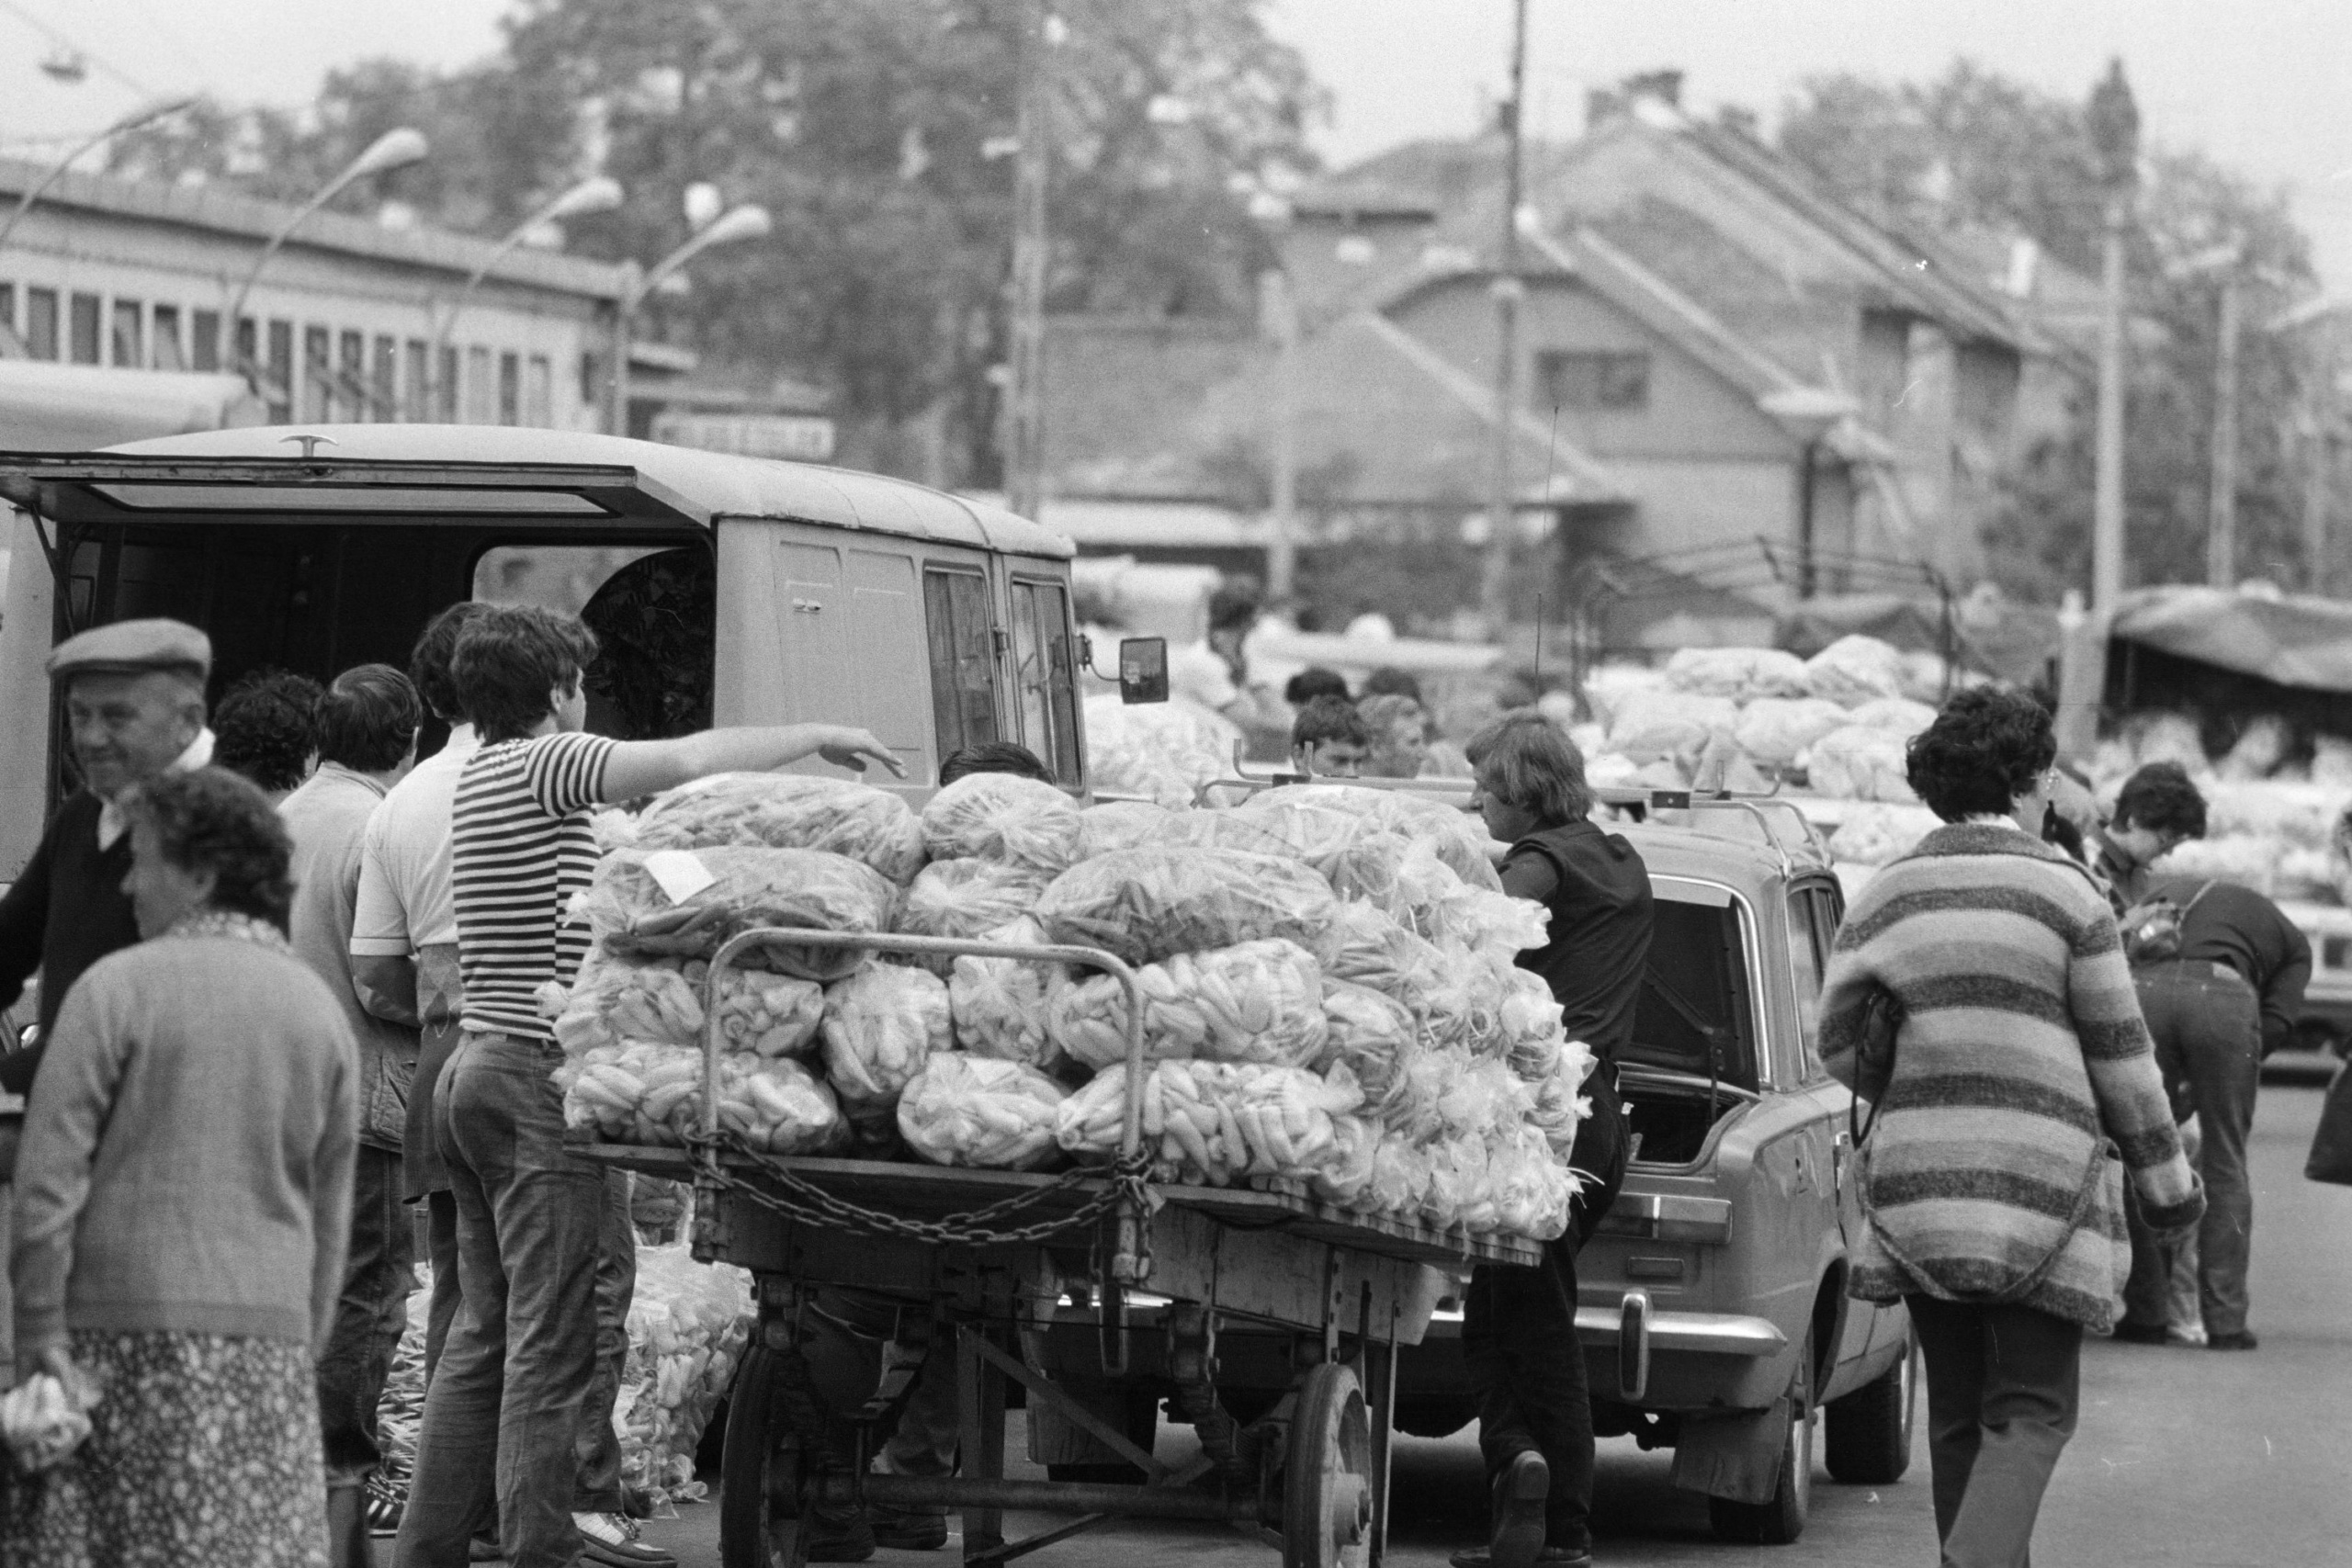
(2020, 1051)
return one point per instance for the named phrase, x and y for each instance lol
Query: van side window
(963, 657)
(1044, 676)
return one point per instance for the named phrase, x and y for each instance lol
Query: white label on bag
(680, 875)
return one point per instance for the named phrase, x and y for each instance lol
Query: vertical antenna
(1551, 451)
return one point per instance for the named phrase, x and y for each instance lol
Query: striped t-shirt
(520, 848)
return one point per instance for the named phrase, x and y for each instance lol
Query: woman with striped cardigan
(1980, 1000)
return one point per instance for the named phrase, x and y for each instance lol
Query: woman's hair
(211, 820)
(1523, 760)
(264, 730)
(1326, 719)
(994, 757)
(369, 719)
(1312, 682)
(1983, 751)
(510, 659)
(428, 661)
(2160, 797)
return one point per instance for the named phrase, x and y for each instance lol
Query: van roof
(710, 484)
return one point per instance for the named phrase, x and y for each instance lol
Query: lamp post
(1495, 579)
(745, 222)
(1809, 414)
(131, 121)
(393, 150)
(2114, 124)
(598, 193)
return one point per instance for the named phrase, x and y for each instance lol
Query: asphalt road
(2185, 1459)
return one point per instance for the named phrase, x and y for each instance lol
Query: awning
(46, 407)
(2291, 639)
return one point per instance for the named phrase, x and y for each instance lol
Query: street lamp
(393, 150)
(599, 193)
(131, 121)
(1809, 414)
(2113, 121)
(745, 222)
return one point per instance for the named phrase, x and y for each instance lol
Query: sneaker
(907, 1530)
(2243, 1339)
(2129, 1333)
(1550, 1557)
(386, 1500)
(611, 1539)
(1518, 1523)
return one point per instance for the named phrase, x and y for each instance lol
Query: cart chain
(812, 1204)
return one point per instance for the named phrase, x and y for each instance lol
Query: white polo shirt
(405, 902)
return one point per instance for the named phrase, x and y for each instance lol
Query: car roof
(1746, 866)
(718, 484)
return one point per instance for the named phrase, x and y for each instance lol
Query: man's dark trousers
(1519, 1345)
(369, 1315)
(2004, 1388)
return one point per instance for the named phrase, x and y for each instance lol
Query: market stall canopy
(2290, 639)
(1360, 656)
(46, 407)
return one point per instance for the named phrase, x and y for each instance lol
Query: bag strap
(2084, 1199)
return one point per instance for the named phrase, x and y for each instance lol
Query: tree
(1976, 148)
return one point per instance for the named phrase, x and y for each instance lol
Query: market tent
(46, 407)
(2290, 640)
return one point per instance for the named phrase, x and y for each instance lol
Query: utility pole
(2115, 135)
(2221, 535)
(1024, 456)
(1494, 598)
(1278, 309)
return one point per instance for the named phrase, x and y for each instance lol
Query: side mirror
(1143, 670)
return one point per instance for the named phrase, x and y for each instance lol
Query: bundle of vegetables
(787, 811)
(1121, 824)
(41, 1424)
(617, 1000)
(1003, 817)
(688, 1325)
(634, 915)
(1218, 1121)
(1459, 838)
(1529, 1035)
(1363, 944)
(1400, 1177)
(998, 1004)
(1859, 762)
(1372, 1033)
(1255, 1001)
(640, 1093)
(1529, 1188)
(975, 1110)
(1856, 670)
(1163, 752)
(881, 1025)
(1484, 1095)
(1742, 673)
(1146, 904)
(967, 899)
(1342, 1179)
(1306, 830)
(1560, 1101)
(1401, 877)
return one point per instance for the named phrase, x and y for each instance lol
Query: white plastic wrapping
(1121, 824)
(977, 1111)
(1003, 817)
(645, 1093)
(1608, 687)
(1218, 1121)
(789, 811)
(1873, 835)
(998, 1004)
(881, 1025)
(1777, 730)
(967, 898)
(1856, 670)
(1656, 724)
(1256, 1001)
(1900, 715)
(1740, 673)
(1861, 764)
(632, 915)
(1458, 836)
(1163, 752)
(688, 1325)
(1146, 904)
(1375, 1035)
(617, 1000)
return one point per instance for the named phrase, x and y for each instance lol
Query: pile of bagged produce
(1330, 1005)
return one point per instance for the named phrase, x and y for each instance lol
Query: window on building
(204, 341)
(1044, 679)
(510, 389)
(416, 392)
(539, 392)
(41, 322)
(445, 387)
(351, 378)
(127, 345)
(85, 314)
(482, 392)
(10, 338)
(385, 386)
(963, 657)
(1608, 383)
(318, 375)
(279, 369)
(592, 379)
(169, 354)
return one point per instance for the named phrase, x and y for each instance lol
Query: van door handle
(808, 606)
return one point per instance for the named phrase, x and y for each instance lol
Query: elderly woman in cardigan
(181, 1205)
(1980, 998)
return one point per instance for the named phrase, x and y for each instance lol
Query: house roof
(1414, 179)
(1121, 394)
(218, 211)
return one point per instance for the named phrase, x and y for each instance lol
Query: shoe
(1518, 1514)
(485, 1548)
(386, 1502)
(2243, 1339)
(2129, 1333)
(839, 1535)
(905, 1530)
(611, 1539)
(1550, 1557)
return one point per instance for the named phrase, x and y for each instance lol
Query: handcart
(931, 1259)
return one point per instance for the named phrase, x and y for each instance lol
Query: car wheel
(1780, 1519)
(1868, 1440)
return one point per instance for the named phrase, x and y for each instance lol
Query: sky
(2264, 85)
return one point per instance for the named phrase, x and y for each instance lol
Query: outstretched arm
(647, 767)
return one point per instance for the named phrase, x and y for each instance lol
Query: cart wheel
(759, 1473)
(1327, 1481)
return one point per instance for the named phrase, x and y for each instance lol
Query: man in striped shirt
(519, 1389)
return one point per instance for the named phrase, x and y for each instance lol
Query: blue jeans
(369, 1315)
(520, 1405)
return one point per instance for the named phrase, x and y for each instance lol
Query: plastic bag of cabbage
(1218, 1121)
(685, 903)
(999, 1005)
(643, 1093)
(1144, 904)
(1003, 817)
(615, 999)
(975, 1111)
(967, 898)
(1256, 1001)
(688, 1325)
(882, 1024)
(787, 811)
(1459, 838)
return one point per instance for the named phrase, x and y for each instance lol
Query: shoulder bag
(2331, 1156)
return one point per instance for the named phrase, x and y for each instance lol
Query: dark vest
(67, 911)
(1600, 933)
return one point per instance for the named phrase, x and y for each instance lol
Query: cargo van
(725, 589)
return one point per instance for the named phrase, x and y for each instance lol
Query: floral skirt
(204, 1449)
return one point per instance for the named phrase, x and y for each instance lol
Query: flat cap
(128, 647)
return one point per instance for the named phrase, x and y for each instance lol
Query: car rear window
(1695, 1014)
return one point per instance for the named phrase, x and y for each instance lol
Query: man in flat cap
(134, 707)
